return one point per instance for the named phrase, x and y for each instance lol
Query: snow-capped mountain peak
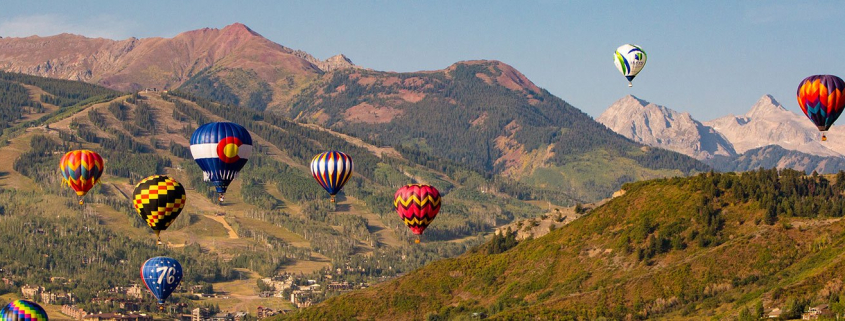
(769, 123)
(766, 107)
(767, 135)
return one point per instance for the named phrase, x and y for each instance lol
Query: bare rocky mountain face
(724, 142)
(658, 126)
(768, 123)
(333, 63)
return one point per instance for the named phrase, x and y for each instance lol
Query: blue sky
(709, 58)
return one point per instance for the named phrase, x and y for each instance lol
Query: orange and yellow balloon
(81, 170)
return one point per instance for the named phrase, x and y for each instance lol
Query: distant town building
(300, 298)
(264, 312)
(118, 317)
(268, 312)
(339, 286)
(279, 283)
(135, 291)
(774, 313)
(73, 312)
(57, 298)
(198, 314)
(816, 312)
(222, 316)
(240, 316)
(29, 292)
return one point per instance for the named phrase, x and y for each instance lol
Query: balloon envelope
(159, 200)
(20, 310)
(821, 98)
(629, 60)
(162, 275)
(221, 150)
(331, 170)
(417, 205)
(81, 170)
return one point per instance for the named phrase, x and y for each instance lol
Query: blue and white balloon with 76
(161, 275)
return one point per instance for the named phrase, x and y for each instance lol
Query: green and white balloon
(629, 59)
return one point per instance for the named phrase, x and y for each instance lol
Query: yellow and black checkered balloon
(159, 200)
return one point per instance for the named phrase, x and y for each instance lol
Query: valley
(546, 212)
(275, 207)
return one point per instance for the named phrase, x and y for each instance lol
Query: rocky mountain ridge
(769, 123)
(237, 56)
(336, 62)
(726, 141)
(484, 114)
(658, 126)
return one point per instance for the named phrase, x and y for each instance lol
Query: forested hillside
(276, 219)
(775, 156)
(24, 107)
(486, 115)
(723, 246)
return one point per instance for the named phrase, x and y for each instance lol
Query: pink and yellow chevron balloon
(23, 310)
(417, 205)
(81, 170)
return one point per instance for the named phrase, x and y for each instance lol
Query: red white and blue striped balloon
(332, 170)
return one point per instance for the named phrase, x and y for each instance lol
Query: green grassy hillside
(276, 219)
(719, 246)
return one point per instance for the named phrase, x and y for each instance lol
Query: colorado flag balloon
(629, 59)
(822, 98)
(331, 170)
(221, 150)
(417, 205)
(162, 275)
(23, 310)
(81, 170)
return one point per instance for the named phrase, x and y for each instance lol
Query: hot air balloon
(23, 310)
(417, 205)
(221, 150)
(822, 99)
(81, 170)
(331, 170)
(159, 200)
(629, 59)
(162, 275)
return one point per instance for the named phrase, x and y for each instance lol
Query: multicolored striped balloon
(81, 170)
(821, 98)
(159, 200)
(417, 205)
(23, 310)
(332, 170)
(221, 150)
